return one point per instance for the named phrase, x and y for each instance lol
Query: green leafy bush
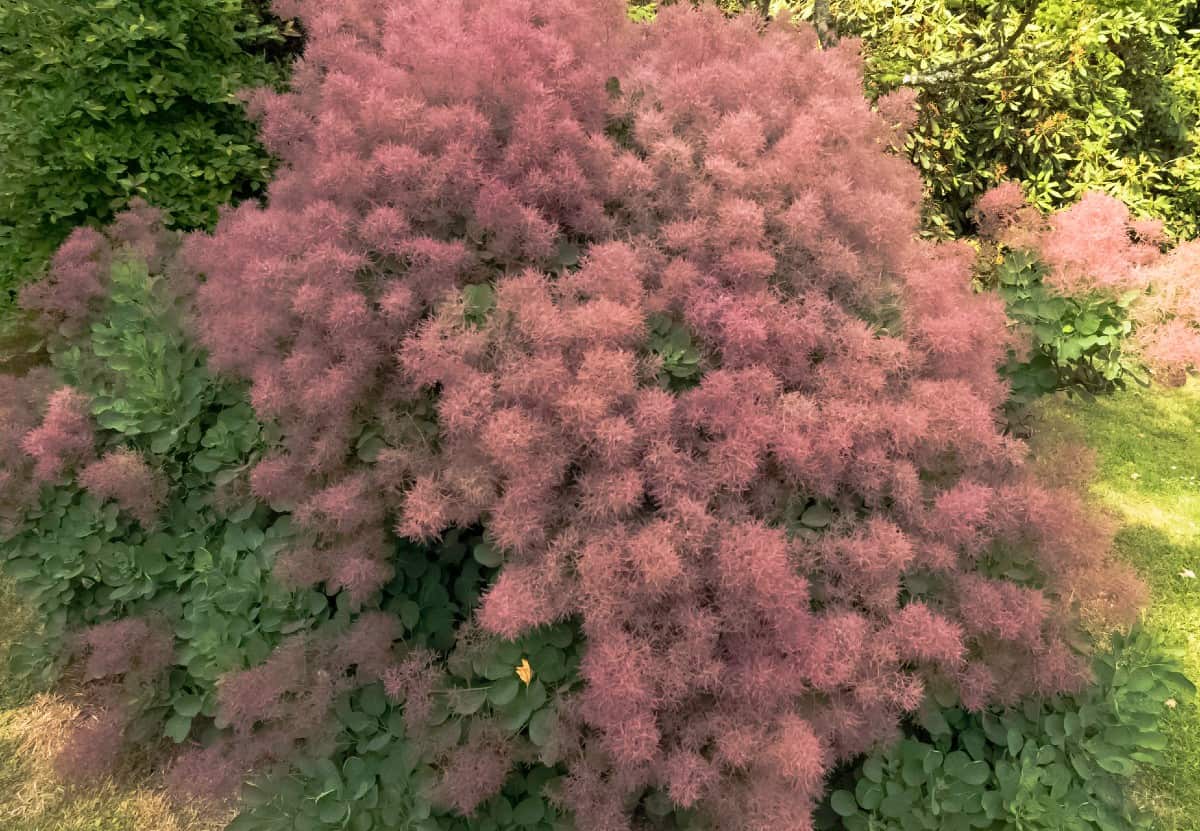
(203, 569)
(1063, 95)
(103, 101)
(1077, 342)
(1061, 764)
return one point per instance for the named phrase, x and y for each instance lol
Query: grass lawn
(1147, 445)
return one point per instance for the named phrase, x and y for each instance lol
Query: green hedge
(102, 101)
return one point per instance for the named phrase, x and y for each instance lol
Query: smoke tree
(647, 304)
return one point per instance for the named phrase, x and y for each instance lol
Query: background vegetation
(1062, 95)
(104, 101)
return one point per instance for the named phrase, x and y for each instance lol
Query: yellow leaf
(525, 671)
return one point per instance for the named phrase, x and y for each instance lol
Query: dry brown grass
(35, 727)
(33, 798)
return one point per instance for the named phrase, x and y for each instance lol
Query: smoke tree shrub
(1124, 287)
(453, 308)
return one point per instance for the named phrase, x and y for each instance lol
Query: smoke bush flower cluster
(446, 309)
(120, 660)
(735, 180)
(1097, 247)
(123, 476)
(22, 404)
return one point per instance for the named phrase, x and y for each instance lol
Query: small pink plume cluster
(22, 406)
(65, 437)
(77, 281)
(1096, 246)
(732, 178)
(284, 701)
(123, 476)
(121, 661)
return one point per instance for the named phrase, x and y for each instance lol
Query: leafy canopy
(103, 101)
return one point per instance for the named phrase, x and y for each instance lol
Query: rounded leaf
(843, 803)
(529, 811)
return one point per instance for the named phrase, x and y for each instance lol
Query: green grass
(15, 622)
(1147, 445)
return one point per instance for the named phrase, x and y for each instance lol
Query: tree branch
(980, 59)
(822, 21)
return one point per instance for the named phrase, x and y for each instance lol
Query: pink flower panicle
(124, 476)
(65, 437)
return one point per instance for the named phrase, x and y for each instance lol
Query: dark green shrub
(103, 101)
(1060, 765)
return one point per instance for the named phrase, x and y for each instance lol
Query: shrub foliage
(104, 101)
(1064, 96)
(1063, 763)
(1102, 294)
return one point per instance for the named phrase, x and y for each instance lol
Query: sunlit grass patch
(1147, 446)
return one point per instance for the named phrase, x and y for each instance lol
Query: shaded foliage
(101, 102)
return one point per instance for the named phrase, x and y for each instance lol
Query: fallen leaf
(1188, 573)
(525, 671)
